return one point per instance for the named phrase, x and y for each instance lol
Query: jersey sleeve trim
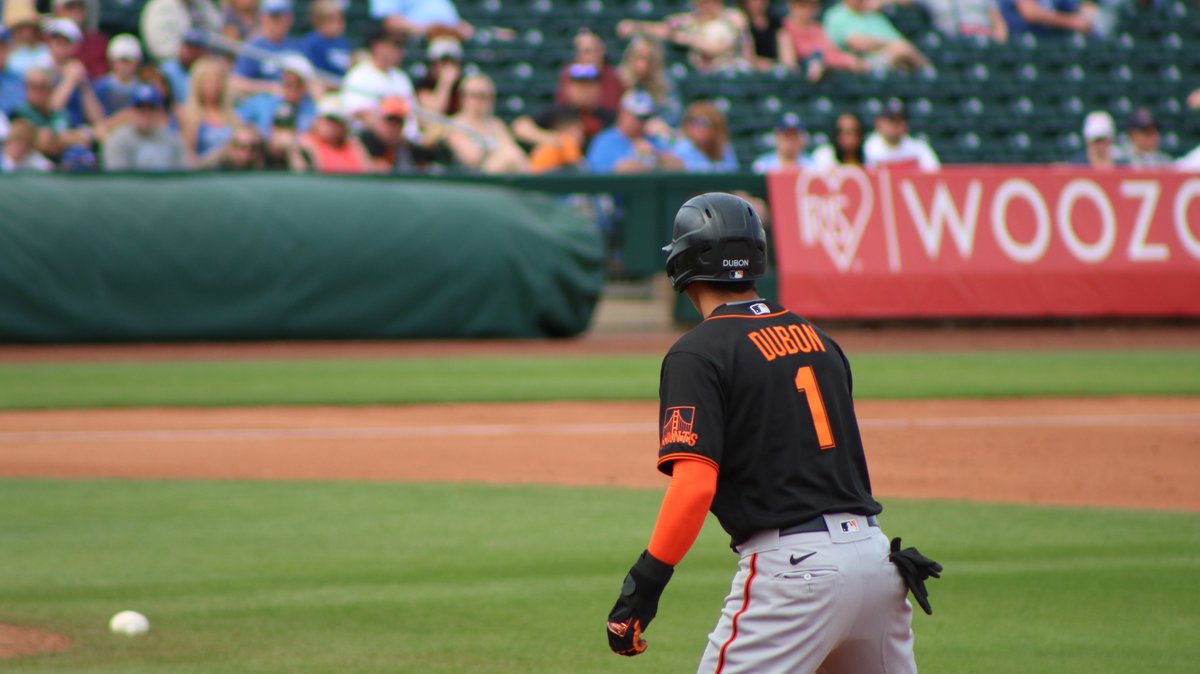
(676, 456)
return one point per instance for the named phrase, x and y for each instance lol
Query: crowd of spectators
(231, 86)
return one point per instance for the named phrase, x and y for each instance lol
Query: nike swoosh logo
(796, 560)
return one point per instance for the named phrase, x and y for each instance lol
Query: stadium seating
(980, 102)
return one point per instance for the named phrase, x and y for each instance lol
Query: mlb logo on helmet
(737, 274)
(849, 526)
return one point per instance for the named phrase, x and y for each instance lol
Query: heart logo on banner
(834, 209)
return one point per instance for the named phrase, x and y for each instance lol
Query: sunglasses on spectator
(849, 131)
(243, 145)
(698, 121)
(146, 106)
(39, 85)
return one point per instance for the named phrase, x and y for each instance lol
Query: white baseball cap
(292, 62)
(1099, 125)
(440, 47)
(64, 27)
(124, 46)
(331, 106)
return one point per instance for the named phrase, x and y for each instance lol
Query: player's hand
(915, 568)
(637, 605)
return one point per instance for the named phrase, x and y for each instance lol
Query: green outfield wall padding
(137, 258)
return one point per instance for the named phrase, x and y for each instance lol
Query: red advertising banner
(987, 242)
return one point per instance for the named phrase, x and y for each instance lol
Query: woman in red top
(803, 42)
(330, 144)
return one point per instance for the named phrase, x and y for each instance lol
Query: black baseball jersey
(765, 396)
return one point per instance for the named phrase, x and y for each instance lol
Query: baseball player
(758, 425)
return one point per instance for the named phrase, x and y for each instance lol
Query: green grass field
(326, 577)
(274, 577)
(406, 381)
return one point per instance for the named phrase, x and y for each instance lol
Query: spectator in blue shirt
(257, 70)
(326, 46)
(12, 86)
(262, 109)
(115, 90)
(417, 17)
(624, 147)
(705, 146)
(1048, 17)
(177, 70)
(790, 139)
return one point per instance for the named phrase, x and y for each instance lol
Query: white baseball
(129, 622)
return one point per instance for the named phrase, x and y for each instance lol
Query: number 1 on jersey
(806, 384)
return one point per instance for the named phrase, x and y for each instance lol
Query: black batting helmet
(718, 237)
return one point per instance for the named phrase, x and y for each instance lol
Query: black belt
(818, 524)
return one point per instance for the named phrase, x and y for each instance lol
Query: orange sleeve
(686, 503)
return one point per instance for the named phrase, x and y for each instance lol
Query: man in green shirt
(852, 25)
(54, 132)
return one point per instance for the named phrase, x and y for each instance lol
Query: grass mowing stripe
(249, 577)
(437, 380)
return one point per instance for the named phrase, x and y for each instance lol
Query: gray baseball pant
(824, 602)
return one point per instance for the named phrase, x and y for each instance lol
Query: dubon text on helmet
(718, 237)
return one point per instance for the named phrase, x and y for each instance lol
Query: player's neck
(706, 299)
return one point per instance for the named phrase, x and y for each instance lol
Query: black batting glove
(637, 605)
(915, 568)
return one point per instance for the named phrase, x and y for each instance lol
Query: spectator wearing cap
(893, 147)
(565, 153)
(260, 109)
(591, 50)
(846, 149)
(20, 149)
(478, 138)
(93, 48)
(326, 47)
(584, 94)
(257, 69)
(239, 19)
(193, 46)
(804, 45)
(331, 145)
(1099, 135)
(389, 151)
(418, 17)
(282, 150)
(790, 140)
(207, 118)
(643, 67)
(855, 26)
(714, 35)
(115, 90)
(625, 147)
(704, 146)
(1048, 17)
(26, 50)
(962, 17)
(165, 22)
(73, 93)
(54, 132)
(1141, 150)
(438, 90)
(380, 77)
(147, 143)
(12, 85)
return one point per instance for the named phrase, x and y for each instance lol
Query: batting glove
(637, 605)
(915, 568)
